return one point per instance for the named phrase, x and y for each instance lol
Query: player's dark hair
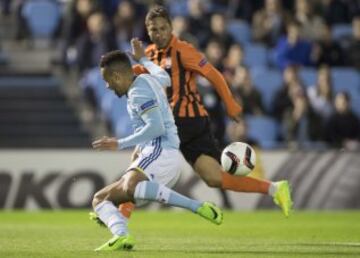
(116, 57)
(156, 12)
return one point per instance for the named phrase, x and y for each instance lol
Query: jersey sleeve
(193, 60)
(144, 103)
(142, 99)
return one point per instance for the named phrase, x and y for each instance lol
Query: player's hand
(137, 49)
(235, 112)
(106, 143)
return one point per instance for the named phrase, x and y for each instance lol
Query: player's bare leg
(133, 186)
(211, 172)
(104, 202)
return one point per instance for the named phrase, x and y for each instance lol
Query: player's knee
(98, 198)
(130, 186)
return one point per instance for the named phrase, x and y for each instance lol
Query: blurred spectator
(212, 101)
(268, 23)
(300, 124)
(320, 95)
(311, 24)
(98, 40)
(326, 50)
(198, 21)
(238, 132)
(282, 100)
(296, 117)
(233, 59)
(215, 53)
(354, 7)
(5, 6)
(250, 97)
(73, 27)
(335, 11)
(109, 7)
(213, 105)
(21, 28)
(127, 25)
(243, 10)
(218, 5)
(353, 51)
(291, 49)
(218, 30)
(180, 30)
(343, 127)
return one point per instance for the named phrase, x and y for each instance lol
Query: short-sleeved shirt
(182, 61)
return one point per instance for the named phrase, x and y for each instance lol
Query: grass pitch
(182, 234)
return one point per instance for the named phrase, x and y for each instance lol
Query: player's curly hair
(156, 12)
(114, 57)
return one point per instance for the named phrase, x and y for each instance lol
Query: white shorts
(160, 165)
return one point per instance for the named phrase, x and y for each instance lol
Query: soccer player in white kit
(159, 160)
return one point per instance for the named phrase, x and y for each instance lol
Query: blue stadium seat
(42, 17)
(255, 55)
(340, 31)
(178, 8)
(267, 82)
(308, 76)
(264, 130)
(240, 31)
(93, 79)
(348, 79)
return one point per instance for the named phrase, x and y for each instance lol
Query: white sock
(112, 218)
(153, 191)
(272, 188)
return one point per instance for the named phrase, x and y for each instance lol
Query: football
(238, 158)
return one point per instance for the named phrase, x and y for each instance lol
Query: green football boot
(282, 197)
(118, 243)
(210, 212)
(94, 217)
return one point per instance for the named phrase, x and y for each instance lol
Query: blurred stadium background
(294, 66)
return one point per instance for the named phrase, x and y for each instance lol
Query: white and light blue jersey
(149, 111)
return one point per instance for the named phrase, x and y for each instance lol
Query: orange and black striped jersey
(183, 62)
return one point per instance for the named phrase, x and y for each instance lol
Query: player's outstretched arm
(154, 128)
(233, 109)
(139, 56)
(194, 60)
(105, 143)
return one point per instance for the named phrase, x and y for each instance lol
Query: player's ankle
(272, 188)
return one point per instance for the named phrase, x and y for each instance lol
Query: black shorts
(196, 138)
